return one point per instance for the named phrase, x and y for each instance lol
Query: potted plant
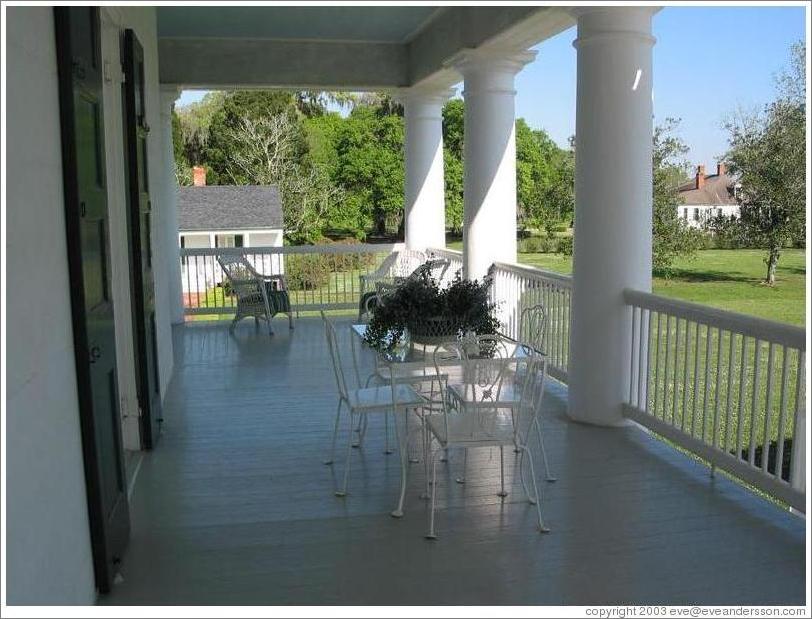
(431, 314)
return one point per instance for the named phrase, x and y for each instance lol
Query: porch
(234, 506)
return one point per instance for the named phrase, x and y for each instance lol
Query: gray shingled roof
(229, 207)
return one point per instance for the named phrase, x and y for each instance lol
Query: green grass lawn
(727, 279)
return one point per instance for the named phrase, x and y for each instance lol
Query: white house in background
(227, 216)
(708, 196)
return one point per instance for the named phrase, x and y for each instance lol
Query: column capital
(601, 23)
(497, 60)
(169, 94)
(424, 94)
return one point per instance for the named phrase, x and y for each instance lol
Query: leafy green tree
(453, 131)
(370, 167)
(672, 237)
(768, 155)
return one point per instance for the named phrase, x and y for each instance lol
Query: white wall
(264, 239)
(706, 211)
(48, 541)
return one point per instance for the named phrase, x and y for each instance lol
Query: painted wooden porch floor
(235, 507)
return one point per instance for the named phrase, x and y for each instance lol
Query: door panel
(81, 118)
(139, 207)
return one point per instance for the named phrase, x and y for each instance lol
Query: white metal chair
(475, 413)
(532, 334)
(252, 291)
(396, 267)
(380, 399)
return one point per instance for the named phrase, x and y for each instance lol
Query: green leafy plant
(464, 304)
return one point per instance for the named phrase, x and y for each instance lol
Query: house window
(685, 214)
(696, 214)
(719, 212)
(228, 240)
(182, 246)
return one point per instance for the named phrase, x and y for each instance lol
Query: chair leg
(386, 449)
(335, 433)
(424, 429)
(343, 491)
(234, 322)
(548, 477)
(431, 533)
(502, 492)
(461, 479)
(537, 501)
(290, 321)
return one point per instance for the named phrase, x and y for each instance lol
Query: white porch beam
(170, 204)
(613, 193)
(425, 182)
(265, 63)
(489, 223)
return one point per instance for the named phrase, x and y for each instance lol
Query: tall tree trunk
(772, 263)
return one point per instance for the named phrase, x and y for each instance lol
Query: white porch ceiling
(341, 48)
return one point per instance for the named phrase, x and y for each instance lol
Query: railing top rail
(529, 271)
(760, 328)
(452, 252)
(337, 248)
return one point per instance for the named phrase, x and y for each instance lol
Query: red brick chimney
(199, 176)
(721, 168)
(700, 177)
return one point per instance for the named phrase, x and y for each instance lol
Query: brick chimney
(700, 177)
(721, 168)
(199, 176)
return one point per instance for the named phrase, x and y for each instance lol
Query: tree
(265, 153)
(453, 132)
(672, 237)
(768, 155)
(370, 167)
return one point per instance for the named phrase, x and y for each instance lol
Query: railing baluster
(635, 336)
(674, 382)
(731, 368)
(797, 474)
(742, 394)
(765, 452)
(657, 363)
(708, 346)
(782, 415)
(718, 388)
(751, 456)
(687, 356)
(695, 390)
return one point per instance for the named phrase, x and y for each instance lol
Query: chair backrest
(530, 384)
(242, 277)
(335, 355)
(435, 269)
(443, 355)
(533, 327)
(406, 262)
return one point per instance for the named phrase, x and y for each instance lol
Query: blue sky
(708, 61)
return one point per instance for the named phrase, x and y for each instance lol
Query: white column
(489, 224)
(425, 184)
(170, 203)
(613, 202)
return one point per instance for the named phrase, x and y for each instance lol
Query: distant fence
(318, 276)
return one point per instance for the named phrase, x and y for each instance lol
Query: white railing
(725, 386)
(516, 287)
(318, 276)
